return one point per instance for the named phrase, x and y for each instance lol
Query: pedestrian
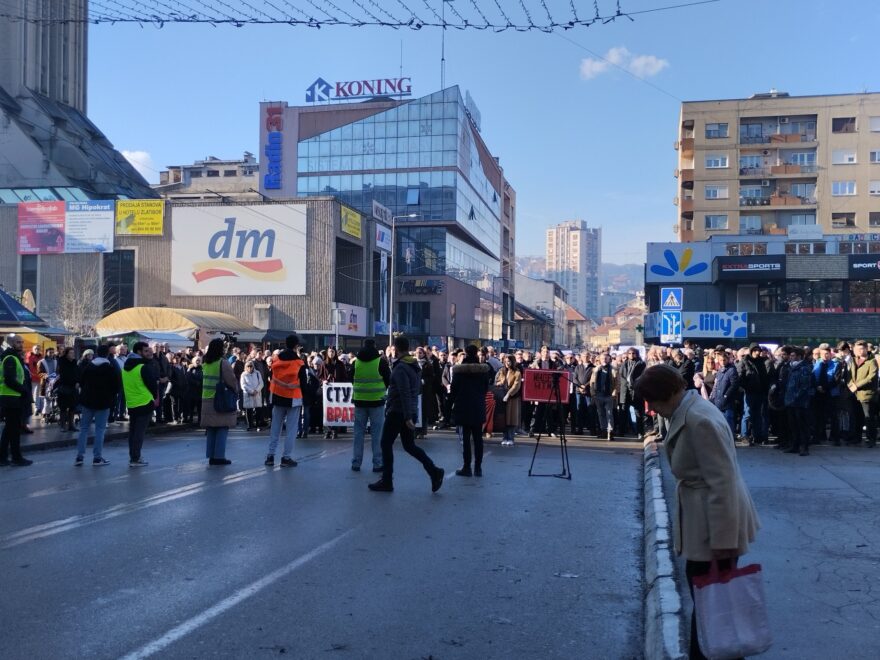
(371, 379)
(631, 370)
(288, 374)
(429, 409)
(333, 370)
(162, 367)
(798, 397)
(66, 388)
(14, 393)
(193, 397)
(470, 383)
(100, 384)
(142, 398)
(827, 388)
(252, 384)
(47, 368)
(509, 377)
(32, 362)
(603, 387)
(400, 419)
(216, 423)
(121, 354)
(716, 518)
(863, 385)
(755, 383)
(724, 393)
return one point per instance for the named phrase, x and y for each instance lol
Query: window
(716, 161)
(822, 296)
(874, 219)
(875, 124)
(751, 162)
(195, 174)
(750, 223)
(119, 269)
(769, 298)
(817, 247)
(875, 157)
(803, 219)
(746, 249)
(229, 172)
(806, 191)
(874, 187)
(751, 133)
(717, 192)
(412, 196)
(802, 158)
(751, 191)
(843, 157)
(716, 130)
(843, 220)
(843, 188)
(716, 222)
(29, 267)
(843, 125)
(213, 173)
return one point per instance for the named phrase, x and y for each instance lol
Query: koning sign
(321, 90)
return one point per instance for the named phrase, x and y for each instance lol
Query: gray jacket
(405, 387)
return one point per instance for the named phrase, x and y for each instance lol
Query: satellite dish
(27, 300)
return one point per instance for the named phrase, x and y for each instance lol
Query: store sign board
(768, 267)
(724, 325)
(65, 227)
(678, 262)
(140, 217)
(351, 222)
(864, 266)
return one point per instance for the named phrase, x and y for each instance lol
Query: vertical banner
(41, 227)
(89, 226)
(383, 288)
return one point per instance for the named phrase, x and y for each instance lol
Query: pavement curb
(663, 611)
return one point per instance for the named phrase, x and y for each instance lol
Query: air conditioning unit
(766, 152)
(765, 183)
(783, 120)
(675, 173)
(675, 201)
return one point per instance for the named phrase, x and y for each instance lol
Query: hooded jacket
(404, 388)
(99, 384)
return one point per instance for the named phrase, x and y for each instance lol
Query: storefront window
(770, 299)
(815, 296)
(863, 296)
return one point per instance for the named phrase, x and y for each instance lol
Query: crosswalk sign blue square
(672, 299)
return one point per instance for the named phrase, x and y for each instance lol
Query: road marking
(226, 604)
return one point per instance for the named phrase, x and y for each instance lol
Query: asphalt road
(181, 560)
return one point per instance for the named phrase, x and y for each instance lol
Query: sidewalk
(820, 531)
(50, 436)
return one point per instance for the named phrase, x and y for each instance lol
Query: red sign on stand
(538, 385)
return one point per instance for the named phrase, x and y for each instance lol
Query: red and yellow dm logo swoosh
(264, 270)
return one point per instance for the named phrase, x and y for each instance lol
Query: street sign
(670, 327)
(672, 299)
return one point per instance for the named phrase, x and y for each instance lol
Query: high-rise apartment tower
(574, 254)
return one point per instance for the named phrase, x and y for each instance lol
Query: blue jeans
(376, 418)
(508, 433)
(216, 441)
(85, 421)
(279, 415)
(730, 416)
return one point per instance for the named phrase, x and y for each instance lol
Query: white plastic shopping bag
(731, 613)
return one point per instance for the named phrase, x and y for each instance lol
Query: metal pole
(336, 323)
(391, 283)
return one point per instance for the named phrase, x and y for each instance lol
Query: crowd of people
(798, 395)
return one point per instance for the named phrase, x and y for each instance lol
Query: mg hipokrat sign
(321, 90)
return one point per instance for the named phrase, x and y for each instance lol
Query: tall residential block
(766, 164)
(574, 260)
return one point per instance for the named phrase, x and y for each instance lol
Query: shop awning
(185, 322)
(13, 312)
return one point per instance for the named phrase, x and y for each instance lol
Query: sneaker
(78, 462)
(270, 460)
(286, 461)
(507, 443)
(463, 472)
(437, 479)
(21, 462)
(100, 461)
(138, 463)
(355, 468)
(381, 486)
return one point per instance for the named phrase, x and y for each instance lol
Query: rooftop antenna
(401, 65)
(443, 45)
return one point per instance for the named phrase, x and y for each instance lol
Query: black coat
(100, 383)
(470, 382)
(687, 370)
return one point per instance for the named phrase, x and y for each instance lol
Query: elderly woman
(252, 384)
(715, 517)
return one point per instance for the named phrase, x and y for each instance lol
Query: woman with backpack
(217, 424)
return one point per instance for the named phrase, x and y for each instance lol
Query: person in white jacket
(251, 388)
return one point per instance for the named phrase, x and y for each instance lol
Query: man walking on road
(14, 393)
(141, 397)
(371, 378)
(400, 419)
(288, 375)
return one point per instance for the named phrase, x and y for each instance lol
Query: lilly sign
(727, 325)
(238, 250)
(679, 262)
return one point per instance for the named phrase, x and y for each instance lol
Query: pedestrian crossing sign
(671, 299)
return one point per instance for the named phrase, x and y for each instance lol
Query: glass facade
(420, 157)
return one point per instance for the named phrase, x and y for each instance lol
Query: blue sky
(577, 139)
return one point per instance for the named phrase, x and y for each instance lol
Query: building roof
(186, 322)
(571, 314)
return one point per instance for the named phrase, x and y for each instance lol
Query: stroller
(51, 412)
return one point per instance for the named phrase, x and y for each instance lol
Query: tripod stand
(563, 444)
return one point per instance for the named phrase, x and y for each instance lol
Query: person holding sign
(401, 412)
(371, 379)
(288, 372)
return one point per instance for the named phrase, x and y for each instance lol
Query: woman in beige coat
(510, 378)
(215, 423)
(715, 519)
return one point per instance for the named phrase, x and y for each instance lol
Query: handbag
(499, 392)
(225, 398)
(731, 613)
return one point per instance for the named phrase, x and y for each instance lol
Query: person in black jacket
(100, 384)
(630, 371)
(724, 393)
(193, 393)
(581, 417)
(685, 367)
(755, 383)
(470, 382)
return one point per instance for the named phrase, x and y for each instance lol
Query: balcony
(777, 199)
(687, 146)
(777, 138)
(764, 200)
(792, 169)
(686, 175)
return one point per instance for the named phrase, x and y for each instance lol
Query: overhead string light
(350, 13)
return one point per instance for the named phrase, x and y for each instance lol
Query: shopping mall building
(421, 168)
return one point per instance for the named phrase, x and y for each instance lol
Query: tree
(79, 305)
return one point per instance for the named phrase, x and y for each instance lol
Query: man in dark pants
(863, 385)
(400, 419)
(141, 396)
(15, 390)
(630, 371)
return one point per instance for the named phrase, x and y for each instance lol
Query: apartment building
(574, 258)
(212, 179)
(773, 163)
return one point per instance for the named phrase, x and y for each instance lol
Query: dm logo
(683, 267)
(227, 251)
(318, 91)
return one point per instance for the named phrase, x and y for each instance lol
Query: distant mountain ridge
(615, 277)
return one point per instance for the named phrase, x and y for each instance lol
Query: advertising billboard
(767, 267)
(65, 227)
(41, 227)
(678, 262)
(140, 217)
(864, 266)
(238, 250)
(351, 222)
(88, 226)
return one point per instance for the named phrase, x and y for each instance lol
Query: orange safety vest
(285, 379)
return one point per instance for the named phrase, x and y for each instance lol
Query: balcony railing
(777, 137)
(754, 171)
(776, 199)
(755, 201)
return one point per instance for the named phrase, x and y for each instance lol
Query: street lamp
(391, 294)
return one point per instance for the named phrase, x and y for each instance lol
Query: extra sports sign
(539, 385)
